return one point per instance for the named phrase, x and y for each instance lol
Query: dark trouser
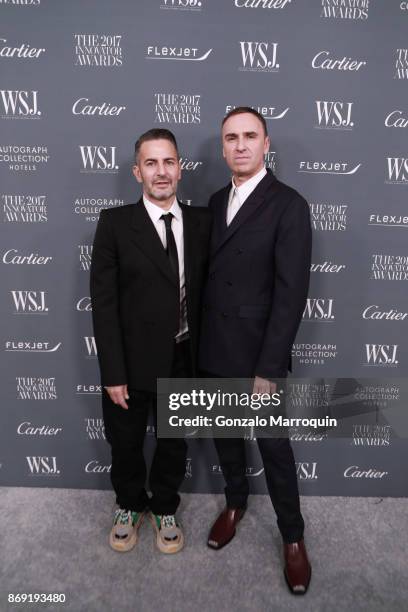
(125, 431)
(280, 473)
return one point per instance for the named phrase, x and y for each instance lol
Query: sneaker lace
(168, 520)
(122, 516)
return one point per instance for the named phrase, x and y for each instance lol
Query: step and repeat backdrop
(79, 81)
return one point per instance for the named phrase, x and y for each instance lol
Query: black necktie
(171, 243)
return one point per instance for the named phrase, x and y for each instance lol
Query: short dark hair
(240, 110)
(155, 134)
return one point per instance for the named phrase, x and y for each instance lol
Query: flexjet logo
(24, 209)
(95, 467)
(182, 5)
(98, 159)
(334, 115)
(85, 256)
(397, 170)
(105, 109)
(84, 304)
(12, 256)
(353, 471)
(388, 220)
(24, 51)
(401, 64)
(266, 4)
(90, 346)
(319, 309)
(323, 61)
(327, 167)
(184, 54)
(89, 389)
(306, 470)
(21, 2)
(269, 113)
(383, 355)
(29, 302)
(19, 104)
(396, 119)
(18, 346)
(373, 312)
(345, 9)
(259, 56)
(43, 466)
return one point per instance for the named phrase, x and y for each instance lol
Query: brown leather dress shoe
(224, 527)
(297, 570)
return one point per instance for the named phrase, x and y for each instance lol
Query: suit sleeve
(105, 305)
(292, 271)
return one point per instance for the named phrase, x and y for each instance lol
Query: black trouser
(280, 474)
(125, 431)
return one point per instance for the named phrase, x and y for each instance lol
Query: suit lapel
(190, 224)
(223, 232)
(147, 239)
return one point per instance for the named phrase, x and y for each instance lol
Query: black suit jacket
(258, 282)
(135, 296)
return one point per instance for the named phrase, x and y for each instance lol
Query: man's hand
(263, 385)
(119, 395)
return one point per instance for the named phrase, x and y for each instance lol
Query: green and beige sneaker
(169, 536)
(123, 535)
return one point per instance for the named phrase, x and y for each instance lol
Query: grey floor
(55, 540)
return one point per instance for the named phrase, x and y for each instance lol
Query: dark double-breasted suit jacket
(135, 294)
(258, 282)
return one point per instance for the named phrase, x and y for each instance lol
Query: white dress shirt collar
(247, 188)
(155, 212)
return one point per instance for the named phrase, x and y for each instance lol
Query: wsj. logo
(84, 304)
(382, 355)
(43, 466)
(182, 5)
(319, 309)
(397, 170)
(98, 158)
(334, 115)
(19, 104)
(259, 56)
(90, 346)
(29, 302)
(306, 471)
